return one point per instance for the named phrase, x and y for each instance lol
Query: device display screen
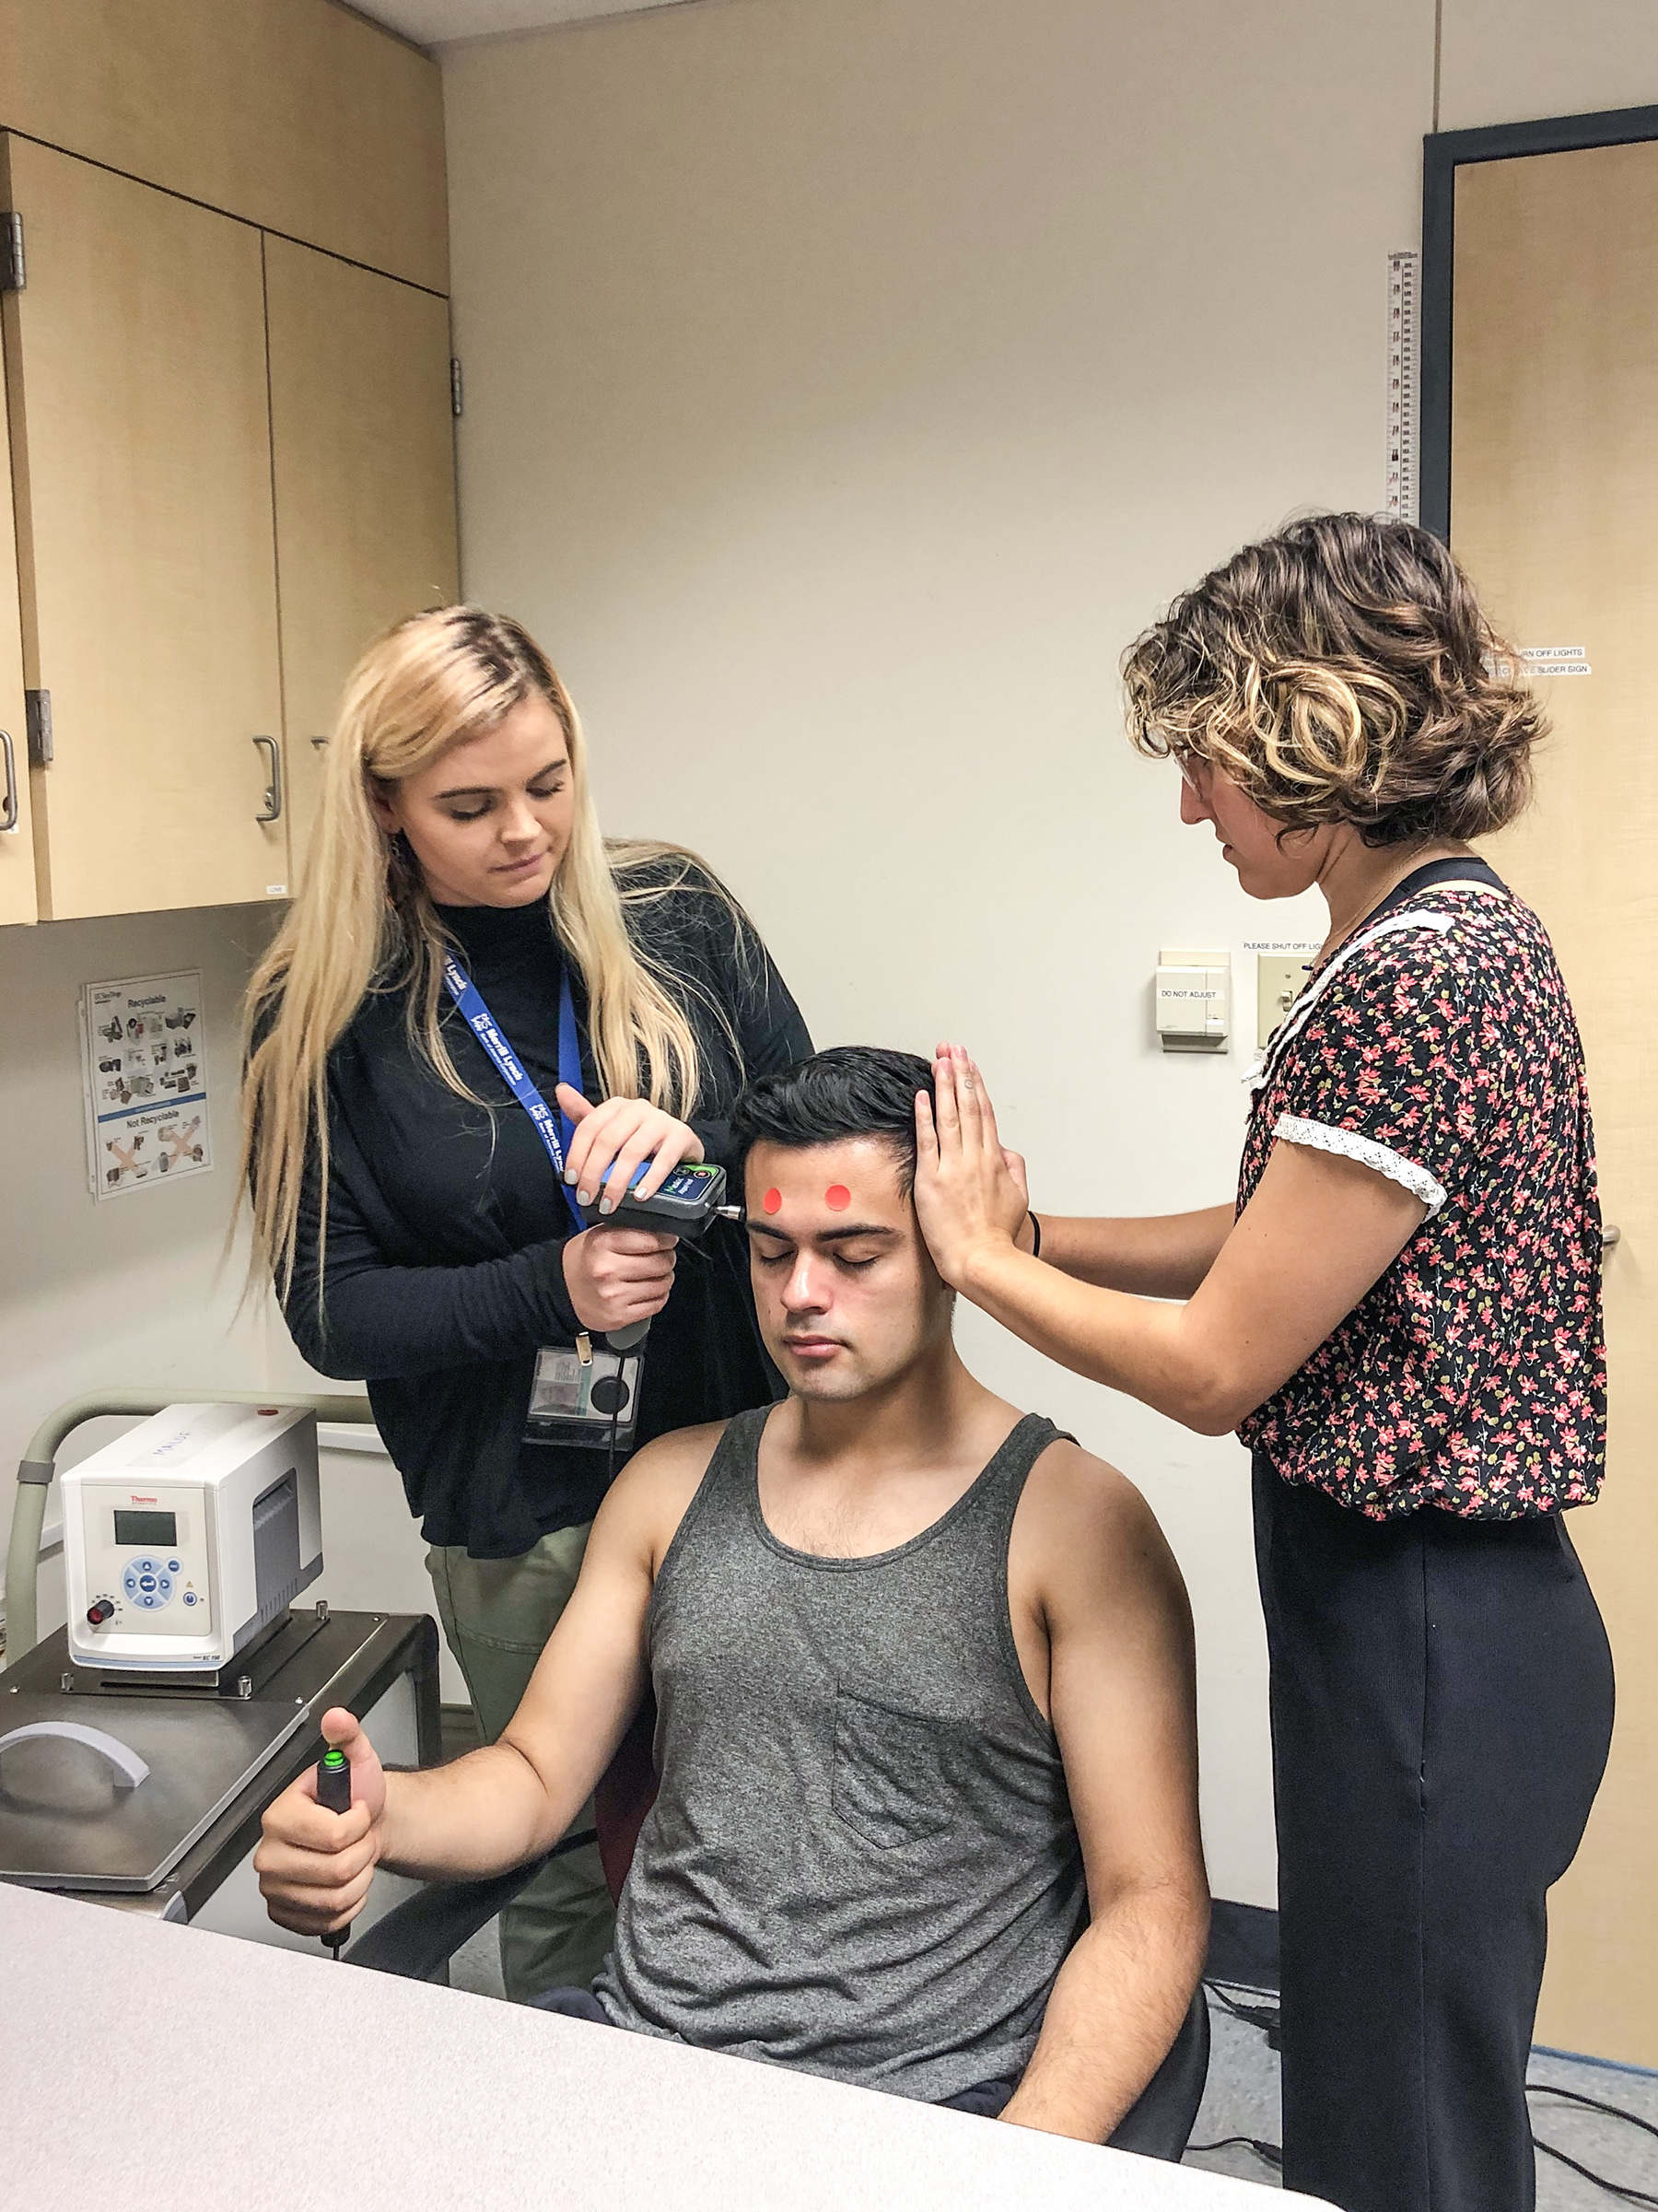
(159, 1529)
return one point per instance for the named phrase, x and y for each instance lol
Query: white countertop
(164, 2069)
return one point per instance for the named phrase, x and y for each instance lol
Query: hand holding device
(315, 1864)
(614, 1139)
(618, 1277)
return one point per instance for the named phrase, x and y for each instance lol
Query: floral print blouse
(1437, 1044)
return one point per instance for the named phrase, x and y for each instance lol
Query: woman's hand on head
(617, 1277)
(613, 1139)
(970, 1191)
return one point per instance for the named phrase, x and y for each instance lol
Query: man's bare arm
(1122, 1700)
(511, 1801)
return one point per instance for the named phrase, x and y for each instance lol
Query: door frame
(1444, 152)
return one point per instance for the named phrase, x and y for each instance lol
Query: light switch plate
(1278, 980)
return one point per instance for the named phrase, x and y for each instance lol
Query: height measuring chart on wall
(1402, 272)
(146, 1065)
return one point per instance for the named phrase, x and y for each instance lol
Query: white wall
(847, 381)
(130, 1291)
(135, 1292)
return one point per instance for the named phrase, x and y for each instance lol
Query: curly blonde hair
(1342, 670)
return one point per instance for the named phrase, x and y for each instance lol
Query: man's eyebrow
(824, 1237)
(483, 790)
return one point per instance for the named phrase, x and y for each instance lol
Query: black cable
(1612, 2111)
(1268, 2153)
(1266, 2018)
(1622, 2190)
(1617, 2189)
(1263, 2017)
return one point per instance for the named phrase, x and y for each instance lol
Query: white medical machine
(187, 1538)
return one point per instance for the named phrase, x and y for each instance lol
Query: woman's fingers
(679, 1141)
(927, 1135)
(947, 1115)
(618, 1138)
(597, 1141)
(985, 1109)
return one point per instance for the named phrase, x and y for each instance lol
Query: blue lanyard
(555, 1130)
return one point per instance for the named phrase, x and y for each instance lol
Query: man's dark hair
(849, 1090)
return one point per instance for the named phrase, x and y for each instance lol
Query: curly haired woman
(1401, 1318)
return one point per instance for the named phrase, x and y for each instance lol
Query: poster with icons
(145, 1064)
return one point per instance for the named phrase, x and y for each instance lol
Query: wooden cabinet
(140, 420)
(234, 465)
(296, 115)
(17, 842)
(364, 475)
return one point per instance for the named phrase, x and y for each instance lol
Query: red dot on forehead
(772, 1200)
(837, 1197)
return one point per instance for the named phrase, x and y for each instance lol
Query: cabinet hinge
(457, 400)
(37, 706)
(14, 274)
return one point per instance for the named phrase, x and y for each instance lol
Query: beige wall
(94, 1297)
(134, 1292)
(848, 380)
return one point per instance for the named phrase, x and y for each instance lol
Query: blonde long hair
(363, 919)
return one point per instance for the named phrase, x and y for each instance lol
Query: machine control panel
(146, 1554)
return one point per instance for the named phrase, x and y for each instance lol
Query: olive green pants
(498, 1615)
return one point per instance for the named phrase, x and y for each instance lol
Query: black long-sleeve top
(447, 1226)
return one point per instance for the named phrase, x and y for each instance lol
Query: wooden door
(365, 477)
(1553, 490)
(135, 362)
(16, 833)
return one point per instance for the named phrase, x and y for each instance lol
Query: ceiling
(436, 22)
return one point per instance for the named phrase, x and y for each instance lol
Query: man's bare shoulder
(1082, 1525)
(649, 1498)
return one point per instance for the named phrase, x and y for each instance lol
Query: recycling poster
(146, 1083)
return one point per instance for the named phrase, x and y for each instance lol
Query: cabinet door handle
(272, 809)
(10, 807)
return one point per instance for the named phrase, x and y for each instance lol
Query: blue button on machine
(172, 1566)
(189, 1597)
(147, 1582)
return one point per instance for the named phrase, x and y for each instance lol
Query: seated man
(926, 1818)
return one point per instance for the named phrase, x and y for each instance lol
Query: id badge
(593, 1402)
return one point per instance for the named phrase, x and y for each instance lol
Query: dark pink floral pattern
(1473, 1376)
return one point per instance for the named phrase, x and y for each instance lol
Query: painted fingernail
(569, 1175)
(584, 1198)
(607, 1205)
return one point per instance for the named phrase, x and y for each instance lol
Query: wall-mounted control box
(1194, 999)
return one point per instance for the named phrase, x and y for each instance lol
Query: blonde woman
(419, 1217)
(1401, 1316)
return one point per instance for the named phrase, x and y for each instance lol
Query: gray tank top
(861, 1860)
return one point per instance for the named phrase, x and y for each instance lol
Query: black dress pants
(1441, 1710)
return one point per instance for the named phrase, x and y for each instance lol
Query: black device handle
(333, 1793)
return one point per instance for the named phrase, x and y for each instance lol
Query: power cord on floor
(1263, 2015)
(1612, 2111)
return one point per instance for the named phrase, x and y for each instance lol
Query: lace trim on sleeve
(1350, 1145)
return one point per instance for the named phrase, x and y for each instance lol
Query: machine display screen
(159, 1528)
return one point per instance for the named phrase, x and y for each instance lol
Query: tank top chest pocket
(896, 1772)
